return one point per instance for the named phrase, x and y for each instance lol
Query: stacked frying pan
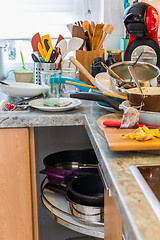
(75, 174)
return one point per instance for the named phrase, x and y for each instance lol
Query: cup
(51, 84)
(69, 73)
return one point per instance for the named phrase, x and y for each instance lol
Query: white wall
(113, 13)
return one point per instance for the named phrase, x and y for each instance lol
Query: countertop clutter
(119, 91)
(138, 218)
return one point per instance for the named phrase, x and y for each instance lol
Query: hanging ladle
(133, 74)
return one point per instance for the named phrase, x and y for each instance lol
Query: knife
(109, 123)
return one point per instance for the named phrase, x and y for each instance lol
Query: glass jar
(114, 56)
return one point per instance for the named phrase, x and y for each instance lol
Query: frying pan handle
(97, 97)
(51, 174)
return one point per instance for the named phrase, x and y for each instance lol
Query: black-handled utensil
(88, 45)
(34, 57)
(136, 62)
(98, 98)
(4, 83)
(53, 56)
(46, 44)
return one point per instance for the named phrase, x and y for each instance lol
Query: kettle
(3, 62)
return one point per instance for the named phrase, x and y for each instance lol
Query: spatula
(97, 35)
(92, 27)
(73, 45)
(77, 31)
(107, 30)
(34, 42)
(132, 72)
(60, 37)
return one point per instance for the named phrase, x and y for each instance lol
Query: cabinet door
(15, 185)
(112, 220)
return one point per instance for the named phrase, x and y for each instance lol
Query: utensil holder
(39, 67)
(86, 58)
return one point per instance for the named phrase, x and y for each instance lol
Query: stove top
(151, 175)
(148, 178)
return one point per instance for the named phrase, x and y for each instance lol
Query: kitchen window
(26, 17)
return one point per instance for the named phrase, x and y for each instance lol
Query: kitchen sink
(148, 178)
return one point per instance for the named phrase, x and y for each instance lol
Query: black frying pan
(87, 190)
(61, 166)
(98, 98)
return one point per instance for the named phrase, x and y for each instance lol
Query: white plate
(38, 103)
(20, 89)
(109, 109)
(148, 118)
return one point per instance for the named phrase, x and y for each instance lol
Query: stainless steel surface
(146, 189)
(73, 165)
(3, 62)
(89, 213)
(107, 189)
(146, 73)
(57, 206)
(39, 67)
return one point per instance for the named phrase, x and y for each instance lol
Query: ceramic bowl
(149, 101)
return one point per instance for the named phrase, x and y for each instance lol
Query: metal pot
(3, 62)
(89, 213)
(147, 73)
(85, 196)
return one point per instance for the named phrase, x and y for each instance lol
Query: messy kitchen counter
(138, 218)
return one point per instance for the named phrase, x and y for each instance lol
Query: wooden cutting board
(115, 141)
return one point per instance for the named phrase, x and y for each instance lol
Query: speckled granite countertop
(138, 218)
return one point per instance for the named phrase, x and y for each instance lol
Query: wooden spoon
(92, 27)
(111, 71)
(113, 94)
(83, 70)
(86, 26)
(107, 30)
(133, 74)
(97, 35)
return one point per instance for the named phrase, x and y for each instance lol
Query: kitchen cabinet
(18, 204)
(112, 219)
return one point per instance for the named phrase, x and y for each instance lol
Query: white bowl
(102, 81)
(19, 89)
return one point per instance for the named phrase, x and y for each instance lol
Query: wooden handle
(132, 72)
(116, 95)
(83, 70)
(80, 84)
(107, 29)
(111, 71)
